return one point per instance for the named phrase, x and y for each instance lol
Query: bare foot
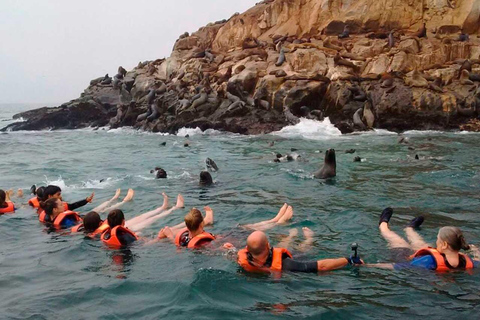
(293, 232)
(129, 195)
(180, 202)
(161, 234)
(208, 220)
(287, 216)
(280, 213)
(20, 193)
(168, 233)
(307, 233)
(165, 201)
(117, 194)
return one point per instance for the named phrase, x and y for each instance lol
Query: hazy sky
(51, 49)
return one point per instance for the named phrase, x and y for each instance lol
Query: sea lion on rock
(289, 117)
(466, 65)
(201, 100)
(463, 37)
(122, 71)
(211, 164)
(422, 32)
(329, 168)
(345, 33)
(416, 79)
(205, 178)
(474, 76)
(368, 114)
(106, 79)
(465, 78)
(281, 58)
(357, 119)
(210, 57)
(151, 96)
(339, 61)
(391, 40)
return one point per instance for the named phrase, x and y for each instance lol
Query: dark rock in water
(205, 178)
(211, 164)
(163, 143)
(350, 151)
(357, 159)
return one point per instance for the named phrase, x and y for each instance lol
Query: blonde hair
(193, 219)
(453, 236)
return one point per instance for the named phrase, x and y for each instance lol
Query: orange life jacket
(9, 208)
(34, 202)
(195, 242)
(276, 266)
(113, 236)
(57, 223)
(440, 259)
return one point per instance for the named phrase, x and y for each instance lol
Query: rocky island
(391, 64)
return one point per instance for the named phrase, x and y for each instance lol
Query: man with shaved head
(258, 256)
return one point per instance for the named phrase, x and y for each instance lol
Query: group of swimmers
(258, 255)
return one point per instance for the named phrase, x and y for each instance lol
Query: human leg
(394, 240)
(127, 198)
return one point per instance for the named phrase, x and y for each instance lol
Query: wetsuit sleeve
(288, 264)
(78, 204)
(427, 262)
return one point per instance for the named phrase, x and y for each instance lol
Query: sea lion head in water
(161, 174)
(205, 178)
(211, 164)
(329, 168)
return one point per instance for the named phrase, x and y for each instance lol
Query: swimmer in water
(55, 192)
(35, 201)
(445, 257)
(6, 205)
(54, 214)
(191, 234)
(260, 257)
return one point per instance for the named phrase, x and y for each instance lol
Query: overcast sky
(51, 49)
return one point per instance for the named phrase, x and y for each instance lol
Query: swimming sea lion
(205, 178)
(350, 151)
(163, 143)
(211, 164)
(329, 168)
(160, 173)
(357, 159)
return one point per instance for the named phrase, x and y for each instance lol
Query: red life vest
(195, 242)
(9, 208)
(440, 259)
(115, 237)
(57, 223)
(276, 266)
(34, 202)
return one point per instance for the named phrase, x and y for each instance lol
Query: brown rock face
(363, 63)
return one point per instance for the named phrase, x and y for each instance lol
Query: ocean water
(60, 276)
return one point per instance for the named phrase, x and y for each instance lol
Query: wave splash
(310, 129)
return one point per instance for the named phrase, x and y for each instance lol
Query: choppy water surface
(63, 276)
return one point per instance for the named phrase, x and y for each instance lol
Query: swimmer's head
(39, 192)
(52, 206)
(258, 246)
(52, 192)
(194, 220)
(91, 221)
(3, 196)
(116, 218)
(451, 238)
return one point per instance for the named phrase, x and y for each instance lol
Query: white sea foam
(89, 184)
(310, 129)
(197, 131)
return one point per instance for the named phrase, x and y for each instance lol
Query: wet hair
(115, 218)
(49, 205)
(39, 192)
(193, 219)
(205, 178)
(3, 197)
(50, 191)
(91, 221)
(453, 236)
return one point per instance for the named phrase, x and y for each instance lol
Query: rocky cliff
(394, 64)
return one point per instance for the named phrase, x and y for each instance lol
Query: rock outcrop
(394, 64)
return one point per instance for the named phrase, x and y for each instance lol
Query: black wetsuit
(289, 264)
(76, 205)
